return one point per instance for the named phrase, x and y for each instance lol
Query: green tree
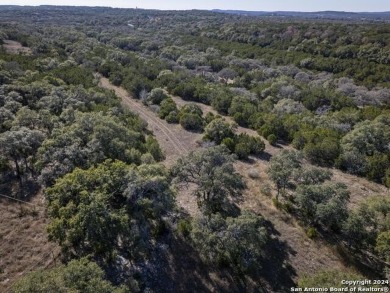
(312, 176)
(212, 171)
(91, 139)
(323, 204)
(242, 150)
(156, 96)
(191, 122)
(272, 139)
(282, 167)
(20, 147)
(79, 276)
(237, 243)
(167, 106)
(217, 130)
(98, 210)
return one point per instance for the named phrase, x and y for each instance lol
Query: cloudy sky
(263, 5)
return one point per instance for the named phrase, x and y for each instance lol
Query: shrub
(312, 233)
(166, 107)
(217, 130)
(192, 122)
(242, 151)
(156, 96)
(272, 139)
(229, 143)
(173, 117)
(277, 203)
(184, 228)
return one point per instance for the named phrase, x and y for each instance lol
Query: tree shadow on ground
(175, 266)
(24, 190)
(277, 273)
(265, 156)
(363, 261)
(179, 268)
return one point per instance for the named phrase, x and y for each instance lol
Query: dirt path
(173, 139)
(302, 254)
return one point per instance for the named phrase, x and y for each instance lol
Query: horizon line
(198, 9)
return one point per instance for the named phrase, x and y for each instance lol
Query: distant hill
(379, 16)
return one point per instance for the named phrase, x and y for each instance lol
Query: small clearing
(14, 47)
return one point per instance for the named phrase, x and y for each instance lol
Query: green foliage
(323, 204)
(191, 122)
(367, 222)
(241, 110)
(312, 233)
(74, 76)
(267, 74)
(229, 143)
(254, 143)
(77, 276)
(383, 245)
(273, 125)
(364, 150)
(272, 139)
(191, 109)
(209, 117)
(90, 211)
(184, 227)
(173, 117)
(323, 153)
(218, 130)
(92, 138)
(242, 151)
(191, 117)
(21, 146)
(221, 101)
(312, 176)
(167, 106)
(237, 243)
(327, 279)
(135, 83)
(156, 96)
(281, 168)
(154, 149)
(212, 171)
(321, 146)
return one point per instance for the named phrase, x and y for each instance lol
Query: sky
(255, 5)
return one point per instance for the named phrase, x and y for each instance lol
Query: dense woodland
(317, 89)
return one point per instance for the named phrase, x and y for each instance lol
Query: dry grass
(13, 47)
(24, 245)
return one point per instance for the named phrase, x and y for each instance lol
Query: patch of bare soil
(13, 47)
(24, 245)
(293, 253)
